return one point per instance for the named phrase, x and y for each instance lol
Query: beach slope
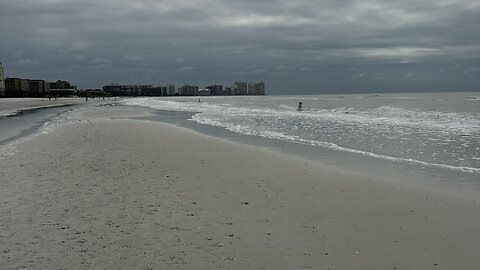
(118, 193)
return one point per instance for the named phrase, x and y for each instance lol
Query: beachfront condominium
(259, 88)
(16, 87)
(241, 88)
(216, 90)
(2, 81)
(188, 90)
(171, 89)
(251, 88)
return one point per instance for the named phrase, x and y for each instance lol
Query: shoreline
(414, 174)
(402, 173)
(33, 109)
(427, 141)
(14, 106)
(113, 192)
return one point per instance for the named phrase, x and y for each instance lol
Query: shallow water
(439, 130)
(23, 123)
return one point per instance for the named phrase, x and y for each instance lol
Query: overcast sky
(296, 46)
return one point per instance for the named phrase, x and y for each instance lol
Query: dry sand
(126, 194)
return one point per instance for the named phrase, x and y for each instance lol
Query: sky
(295, 46)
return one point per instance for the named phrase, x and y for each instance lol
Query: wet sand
(9, 106)
(114, 193)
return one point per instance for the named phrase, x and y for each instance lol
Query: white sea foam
(454, 122)
(384, 131)
(295, 139)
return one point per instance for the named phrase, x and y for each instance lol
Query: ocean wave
(465, 123)
(453, 122)
(245, 130)
(386, 132)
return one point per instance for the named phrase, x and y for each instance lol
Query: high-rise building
(229, 91)
(216, 90)
(2, 81)
(188, 90)
(259, 88)
(241, 88)
(250, 88)
(171, 89)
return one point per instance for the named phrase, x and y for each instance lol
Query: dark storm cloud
(296, 46)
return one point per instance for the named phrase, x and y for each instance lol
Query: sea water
(439, 130)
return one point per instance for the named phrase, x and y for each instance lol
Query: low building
(93, 93)
(62, 92)
(204, 92)
(16, 87)
(60, 84)
(37, 88)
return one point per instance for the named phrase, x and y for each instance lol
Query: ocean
(429, 130)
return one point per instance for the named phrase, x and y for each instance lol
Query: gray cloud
(296, 46)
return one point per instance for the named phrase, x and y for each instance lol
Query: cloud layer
(296, 46)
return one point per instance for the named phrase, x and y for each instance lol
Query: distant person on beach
(300, 106)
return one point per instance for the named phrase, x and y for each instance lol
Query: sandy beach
(109, 192)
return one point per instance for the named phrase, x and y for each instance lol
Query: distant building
(93, 93)
(188, 90)
(2, 81)
(37, 88)
(171, 89)
(229, 91)
(216, 90)
(139, 90)
(16, 87)
(149, 90)
(241, 88)
(61, 88)
(204, 92)
(119, 90)
(61, 85)
(250, 88)
(164, 90)
(259, 88)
